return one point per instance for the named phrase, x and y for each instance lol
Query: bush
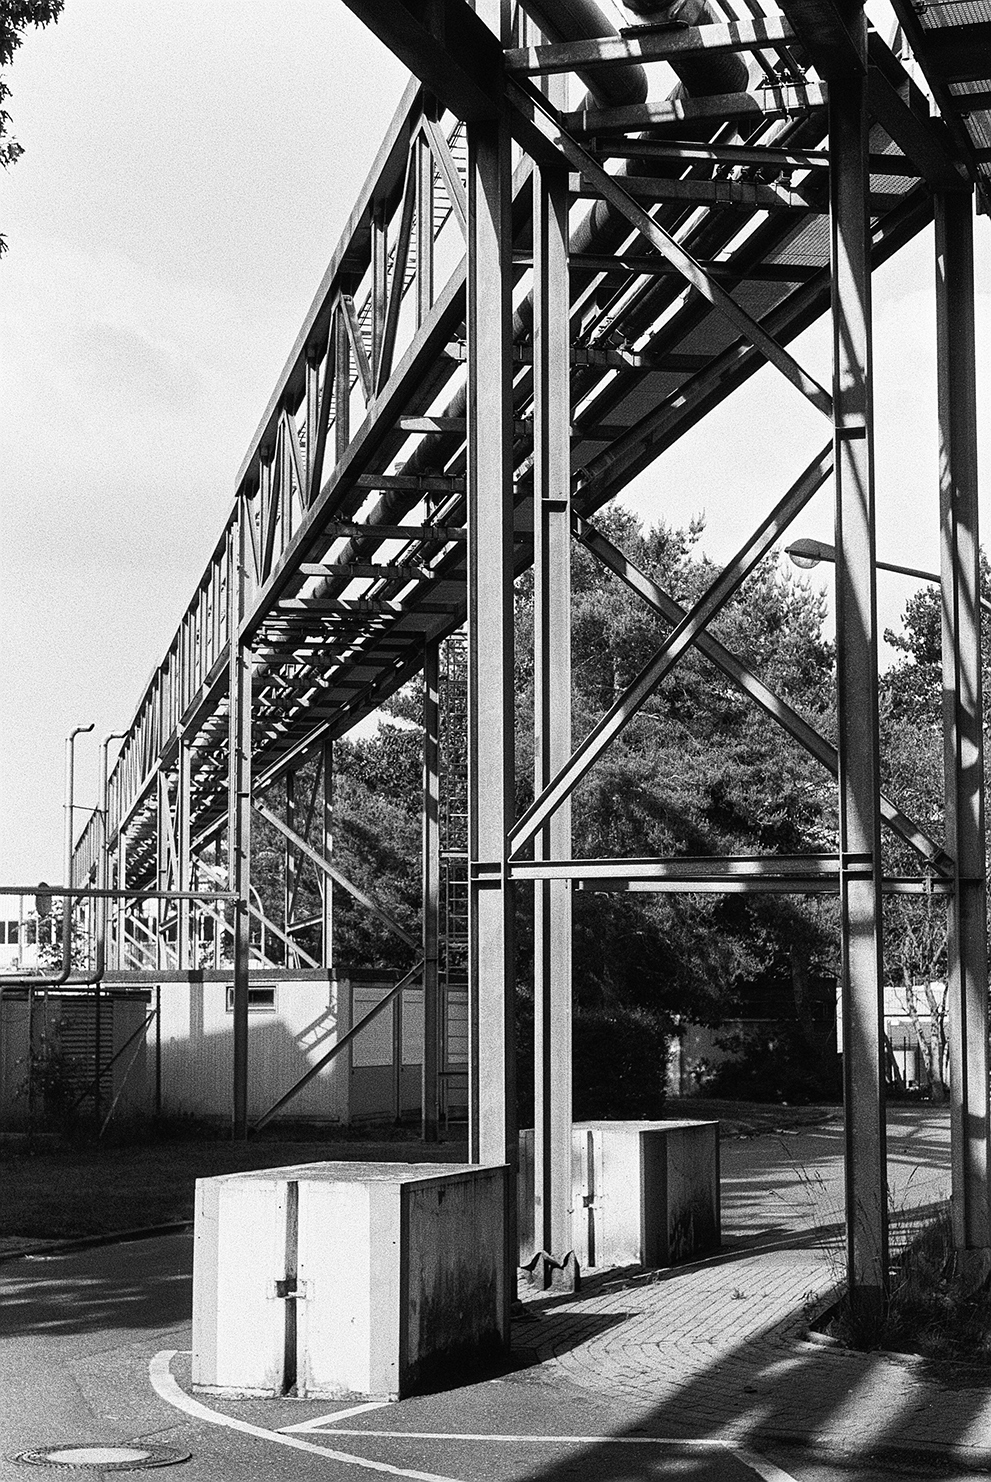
(776, 1063)
(619, 1064)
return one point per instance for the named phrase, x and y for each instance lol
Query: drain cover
(107, 1458)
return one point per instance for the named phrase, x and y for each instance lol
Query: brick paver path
(719, 1349)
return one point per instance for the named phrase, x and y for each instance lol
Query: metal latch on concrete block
(286, 1290)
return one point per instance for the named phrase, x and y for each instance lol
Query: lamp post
(808, 553)
(70, 785)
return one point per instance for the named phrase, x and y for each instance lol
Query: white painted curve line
(320, 1421)
(685, 1443)
(767, 1470)
(168, 1390)
(759, 1464)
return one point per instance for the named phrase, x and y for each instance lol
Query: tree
(911, 726)
(698, 772)
(15, 17)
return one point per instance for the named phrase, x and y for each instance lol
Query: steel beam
(652, 46)
(772, 704)
(552, 713)
(430, 877)
(333, 873)
(239, 816)
(856, 656)
(538, 126)
(327, 841)
(967, 952)
(671, 651)
(492, 1131)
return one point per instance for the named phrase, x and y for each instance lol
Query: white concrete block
(334, 1279)
(643, 1193)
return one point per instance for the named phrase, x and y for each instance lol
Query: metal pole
(183, 840)
(102, 908)
(856, 643)
(492, 1125)
(430, 1102)
(967, 951)
(326, 883)
(70, 788)
(289, 869)
(239, 819)
(552, 966)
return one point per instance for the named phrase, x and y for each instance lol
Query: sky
(188, 169)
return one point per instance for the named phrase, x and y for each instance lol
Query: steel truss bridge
(559, 264)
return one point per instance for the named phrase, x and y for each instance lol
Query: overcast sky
(188, 169)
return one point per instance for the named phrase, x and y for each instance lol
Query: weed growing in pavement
(933, 1307)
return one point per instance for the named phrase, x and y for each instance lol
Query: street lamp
(70, 787)
(808, 553)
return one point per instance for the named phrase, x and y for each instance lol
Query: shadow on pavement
(118, 1288)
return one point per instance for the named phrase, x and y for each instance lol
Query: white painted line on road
(754, 1463)
(328, 1420)
(687, 1443)
(761, 1465)
(168, 1390)
(750, 1459)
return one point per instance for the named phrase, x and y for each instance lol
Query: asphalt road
(95, 1350)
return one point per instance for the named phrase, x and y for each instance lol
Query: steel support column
(183, 837)
(552, 968)
(326, 883)
(967, 955)
(856, 641)
(239, 817)
(289, 871)
(430, 1099)
(492, 1132)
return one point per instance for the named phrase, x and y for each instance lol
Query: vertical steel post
(552, 710)
(289, 871)
(342, 384)
(856, 644)
(326, 884)
(967, 953)
(430, 1099)
(162, 869)
(184, 873)
(424, 230)
(239, 815)
(492, 1129)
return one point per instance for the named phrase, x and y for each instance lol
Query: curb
(93, 1242)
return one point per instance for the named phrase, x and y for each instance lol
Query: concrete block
(334, 1279)
(643, 1193)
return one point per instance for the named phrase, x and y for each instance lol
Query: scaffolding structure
(557, 267)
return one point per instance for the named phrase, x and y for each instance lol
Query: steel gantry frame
(539, 290)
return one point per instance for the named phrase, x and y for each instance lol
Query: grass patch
(932, 1311)
(91, 1188)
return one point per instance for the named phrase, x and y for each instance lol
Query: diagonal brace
(677, 643)
(335, 874)
(773, 705)
(540, 124)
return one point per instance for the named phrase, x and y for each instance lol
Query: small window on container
(12, 932)
(261, 999)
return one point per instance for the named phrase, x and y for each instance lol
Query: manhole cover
(107, 1458)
